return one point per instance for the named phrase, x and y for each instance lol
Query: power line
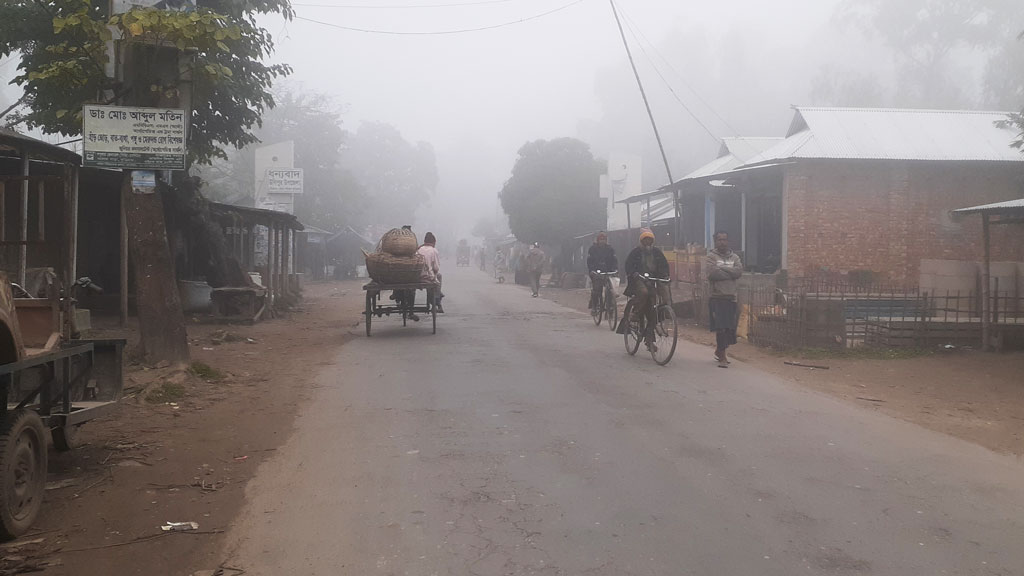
(667, 84)
(682, 79)
(404, 6)
(441, 32)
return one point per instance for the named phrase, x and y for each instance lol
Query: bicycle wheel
(598, 313)
(665, 336)
(634, 330)
(612, 309)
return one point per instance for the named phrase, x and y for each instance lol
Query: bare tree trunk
(161, 320)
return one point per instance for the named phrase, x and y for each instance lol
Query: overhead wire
(442, 32)
(668, 85)
(679, 76)
(403, 6)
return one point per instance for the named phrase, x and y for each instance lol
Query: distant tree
(837, 86)
(397, 176)
(552, 195)
(487, 227)
(331, 197)
(926, 35)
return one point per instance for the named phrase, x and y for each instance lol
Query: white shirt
(431, 263)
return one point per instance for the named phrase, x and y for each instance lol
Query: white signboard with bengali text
(133, 137)
(284, 180)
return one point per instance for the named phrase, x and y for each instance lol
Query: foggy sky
(477, 97)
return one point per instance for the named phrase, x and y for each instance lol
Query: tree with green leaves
(331, 198)
(213, 54)
(931, 40)
(553, 194)
(64, 63)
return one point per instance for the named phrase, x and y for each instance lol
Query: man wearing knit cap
(647, 259)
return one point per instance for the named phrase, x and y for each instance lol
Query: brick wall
(888, 216)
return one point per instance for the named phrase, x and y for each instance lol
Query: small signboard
(284, 180)
(133, 138)
(143, 181)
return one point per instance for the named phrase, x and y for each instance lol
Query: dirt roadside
(182, 445)
(968, 394)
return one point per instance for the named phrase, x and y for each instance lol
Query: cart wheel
(22, 471)
(369, 312)
(64, 437)
(433, 315)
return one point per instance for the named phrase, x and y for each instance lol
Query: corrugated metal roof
(15, 142)
(895, 134)
(733, 153)
(1008, 207)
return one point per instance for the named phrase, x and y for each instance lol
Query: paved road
(522, 440)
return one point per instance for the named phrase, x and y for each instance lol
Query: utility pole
(654, 125)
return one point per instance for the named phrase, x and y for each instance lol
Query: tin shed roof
(1008, 207)
(895, 134)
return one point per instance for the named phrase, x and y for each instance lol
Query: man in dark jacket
(647, 259)
(600, 257)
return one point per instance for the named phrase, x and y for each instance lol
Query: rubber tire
(600, 314)
(675, 333)
(15, 425)
(64, 437)
(433, 315)
(613, 309)
(369, 312)
(631, 348)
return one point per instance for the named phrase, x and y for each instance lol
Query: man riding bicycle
(600, 257)
(647, 259)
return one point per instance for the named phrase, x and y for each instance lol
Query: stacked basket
(396, 261)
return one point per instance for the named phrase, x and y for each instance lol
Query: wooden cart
(374, 307)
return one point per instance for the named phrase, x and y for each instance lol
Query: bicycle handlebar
(647, 277)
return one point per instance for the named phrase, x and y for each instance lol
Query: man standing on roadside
(723, 269)
(535, 266)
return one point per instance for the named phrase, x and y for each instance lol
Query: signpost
(133, 137)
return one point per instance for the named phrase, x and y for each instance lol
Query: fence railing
(812, 314)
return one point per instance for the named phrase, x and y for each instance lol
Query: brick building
(864, 190)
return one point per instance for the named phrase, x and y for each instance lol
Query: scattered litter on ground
(16, 544)
(812, 366)
(129, 463)
(180, 526)
(57, 485)
(241, 458)
(869, 399)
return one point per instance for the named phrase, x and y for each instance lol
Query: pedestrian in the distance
(724, 269)
(535, 266)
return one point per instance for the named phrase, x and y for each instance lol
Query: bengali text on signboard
(284, 181)
(132, 137)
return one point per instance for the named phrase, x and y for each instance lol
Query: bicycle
(606, 305)
(665, 332)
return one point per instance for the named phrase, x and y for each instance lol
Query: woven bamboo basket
(399, 242)
(390, 269)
